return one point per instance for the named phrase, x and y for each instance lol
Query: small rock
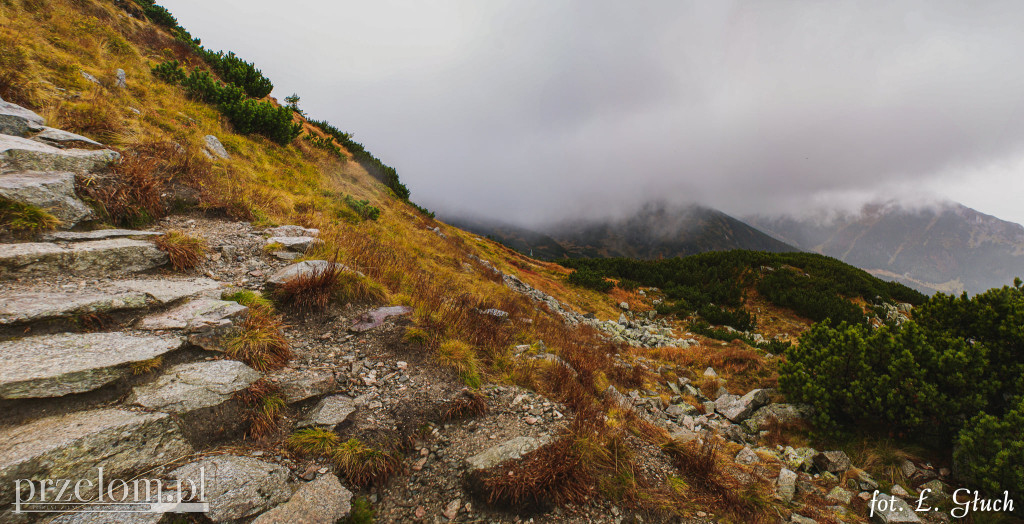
(122, 79)
(747, 456)
(832, 461)
(786, 484)
(710, 373)
(839, 494)
(214, 146)
(330, 412)
(452, 509)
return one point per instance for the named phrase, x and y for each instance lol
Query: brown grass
(363, 465)
(260, 342)
(265, 407)
(185, 251)
(699, 462)
(314, 291)
(313, 441)
(468, 404)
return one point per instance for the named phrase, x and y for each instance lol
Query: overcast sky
(529, 111)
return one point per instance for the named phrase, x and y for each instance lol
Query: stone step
(21, 154)
(56, 365)
(92, 258)
(51, 191)
(197, 385)
(99, 234)
(73, 446)
(206, 320)
(65, 139)
(29, 305)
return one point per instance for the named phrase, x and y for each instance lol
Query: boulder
(835, 462)
(293, 231)
(508, 450)
(801, 459)
(322, 501)
(376, 317)
(122, 79)
(207, 321)
(65, 139)
(18, 121)
(237, 487)
(84, 259)
(294, 243)
(746, 456)
(897, 511)
(786, 484)
(298, 385)
(56, 365)
(72, 446)
(21, 154)
(188, 387)
(304, 268)
(330, 411)
(53, 192)
(737, 408)
(839, 494)
(214, 146)
(784, 413)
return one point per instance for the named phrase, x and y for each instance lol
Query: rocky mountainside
(655, 231)
(947, 247)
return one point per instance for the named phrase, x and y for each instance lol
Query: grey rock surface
(92, 258)
(167, 290)
(56, 365)
(294, 243)
(322, 501)
(18, 308)
(508, 450)
(65, 139)
(330, 411)
(99, 234)
(74, 445)
(21, 154)
(306, 267)
(188, 387)
(238, 487)
(293, 231)
(214, 146)
(298, 385)
(832, 461)
(53, 192)
(122, 79)
(785, 413)
(737, 408)
(207, 320)
(897, 511)
(786, 484)
(18, 121)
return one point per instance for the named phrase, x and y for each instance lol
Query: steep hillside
(947, 247)
(197, 282)
(655, 231)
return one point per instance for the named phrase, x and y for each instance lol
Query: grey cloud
(529, 111)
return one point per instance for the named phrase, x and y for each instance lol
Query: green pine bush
(990, 453)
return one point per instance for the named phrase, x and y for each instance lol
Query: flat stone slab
(294, 243)
(21, 154)
(297, 385)
(237, 487)
(17, 308)
(18, 121)
(372, 319)
(168, 291)
(330, 412)
(65, 139)
(72, 446)
(99, 234)
(293, 231)
(51, 191)
(92, 258)
(508, 450)
(56, 365)
(322, 501)
(188, 387)
(196, 316)
(897, 511)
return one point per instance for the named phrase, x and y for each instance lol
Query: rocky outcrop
(237, 487)
(188, 387)
(56, 365)
(72, 446)
(737, 408)
(17, 308)
(322, 501)
(51, 191)
(65, 139)
(18, 121)
(99, 234)
(92, 258)
(21, 155)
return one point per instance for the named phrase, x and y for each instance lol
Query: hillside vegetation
(635, 404)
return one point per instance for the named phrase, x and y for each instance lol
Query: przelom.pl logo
(102, 495)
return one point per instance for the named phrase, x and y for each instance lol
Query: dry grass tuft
(467, 404)
(260, 342)
(313, 441)
(460, 358)
(415, 335)
(700, 464)
(363, 465)
(316, 290)
(265, 408)
(143, 367)
(25, 219)
(185, 251)
(93, 322)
